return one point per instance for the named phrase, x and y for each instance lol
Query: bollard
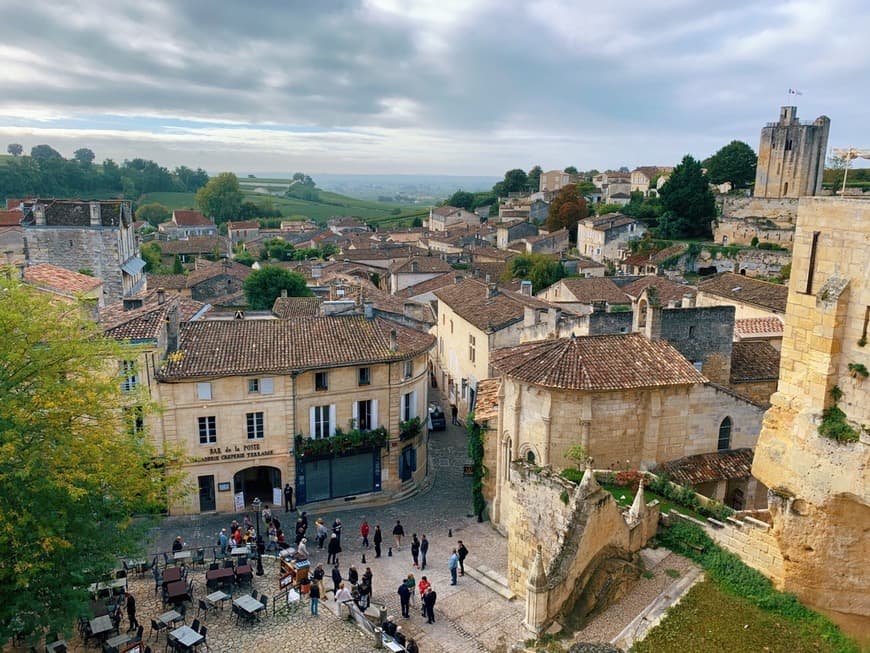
(449, 532)
(363, 561)
(379, 637)
(390, 552)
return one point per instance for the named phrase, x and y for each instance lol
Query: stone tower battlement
(791, 156)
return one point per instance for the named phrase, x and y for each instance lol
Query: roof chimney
(283, 292)
(394, 345)
(413, 266)
(161, 296)
(491, 290)
(688, 300)
(526, 287)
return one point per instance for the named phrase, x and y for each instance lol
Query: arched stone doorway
(257, 482)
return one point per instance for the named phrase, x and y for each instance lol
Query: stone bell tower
(791, 156)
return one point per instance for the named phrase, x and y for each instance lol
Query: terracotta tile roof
(495, 270)
(384, 254)
(492, 253)
(195, 245)
(445, 210)
(754, 361)
(10, 218)
(666, 290)
(147, 322)
(61, 280)
(167, 281)
(589, 289)
(589, 264)
(469, 300)
(430, 285)
(187, 218)
(611, 362)
(286, 307)
(206, 270)
(758, 327)
(608, 221)
(735, 287)
(486, 403)
(247, 224)
(236, 347)
(706, 467)
(420, 265)
(657, 257)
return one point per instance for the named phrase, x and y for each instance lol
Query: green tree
(262, 287)
(461, 199)
(15, 149)
(735, 162)
(84, 156)
(43, 152)
(153, 213)
(177, 267)
(73, 470)
(533, 179)
(417, 222)
(571, 170)
(540, 269)
(151, 254)
(688, 202)
(586, 189)
(515, 181)
(220, 198)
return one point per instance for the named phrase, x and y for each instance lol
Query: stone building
(327, 404)
(791, 156)
(751, 297)
(606, 237)
(79, 235)
(554, 180)
(820, 488)
(443, 217)
(186, 224)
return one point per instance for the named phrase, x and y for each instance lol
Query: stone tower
(819, 495)
(791, 156)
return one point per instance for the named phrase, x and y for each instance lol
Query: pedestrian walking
(415, 550)
(453, 564)
(377, 539)
(336, 579)
(267, 514)
(364, 531)
(454, 411)
(343, 594)
(424, 549)
(423, 587)
(131, 611)
(317, 578)
(336, 529)
(398, 534)
(321, 531)
(429, 604)
(405, 600)
(223, 540)
(462, 552)
(288, 498)
(333, 550)
(411, 582)
(352, 575)
(314, 595)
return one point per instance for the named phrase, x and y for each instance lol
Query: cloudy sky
(424, 86)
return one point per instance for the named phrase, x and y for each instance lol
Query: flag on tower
(794, 91)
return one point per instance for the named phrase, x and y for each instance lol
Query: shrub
(572, 474)
(627, 478)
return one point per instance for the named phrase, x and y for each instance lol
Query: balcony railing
(341, 443)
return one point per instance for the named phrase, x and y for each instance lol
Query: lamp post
(257, 504)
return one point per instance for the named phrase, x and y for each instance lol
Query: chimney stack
(413, 266)
(491, 290)
(526, 287)
(394, 345)
(688, 300)
(161, 296)
(283, 292)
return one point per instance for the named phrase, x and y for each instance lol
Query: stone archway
(257, 482)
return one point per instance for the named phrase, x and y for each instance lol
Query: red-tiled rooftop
(10, 218)
(471, 300)
(754, 361)
(706, 467)
(610, 362)
(758, 327)
(666, 290)
(486, 401)
(589, 289)
(189, 218)
(52, 277)
(736, 287)
(236, 347)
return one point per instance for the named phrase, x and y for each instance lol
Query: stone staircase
(490, 578)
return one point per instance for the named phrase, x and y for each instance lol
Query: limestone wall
(782, 211)
(575, 528)
(741, 231)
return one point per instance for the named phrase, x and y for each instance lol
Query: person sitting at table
(237, 537)
(177, 545)
(234, 526)
(248, 523)
(250, 536)
(302, 550)
(389, 626)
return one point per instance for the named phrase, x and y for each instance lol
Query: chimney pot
(161, 296)
(394, 344)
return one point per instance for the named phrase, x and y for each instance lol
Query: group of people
(394, 630)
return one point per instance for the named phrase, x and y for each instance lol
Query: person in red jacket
(364, 531)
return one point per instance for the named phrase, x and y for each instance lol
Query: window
(135, 420)
(322, 421)
(812, 266)
(203, 390)
(255, 426)
(530, 457)
(441, 345)
(471, 343)
(408, 370)
(130, 376)
(724, 435)
(207, 430)
(253, 386)
(451, 326)
(409, 405)
(365, 375)
(691, 331)
(321, 381)
(365, 414)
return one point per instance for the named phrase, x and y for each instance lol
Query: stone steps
(492, 579)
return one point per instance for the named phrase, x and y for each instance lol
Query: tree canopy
(540, 269)
(735, 162)
(43, 152)
(571, 170)
(75, 465)
(153, 213)
(15, 149)
(533, 179)
(688, 202)
(461, 199)
(220, 198)
(262, 287)
(566, 210)
(515, 181)
(84, 155)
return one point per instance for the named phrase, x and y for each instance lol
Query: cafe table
(217, 598)
(177, 591)
(182, 556)
(170, 617)
(187, 636)
(118, 640)
(171, 574)
(240, 551)
(101, 625)
(117, 583)
(248, 603)
(56, 647)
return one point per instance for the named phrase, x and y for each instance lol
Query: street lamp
(258, 505)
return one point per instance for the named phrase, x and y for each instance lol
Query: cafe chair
(198, 557)
(254, 594)
(202, 608)
(156, 627)
(265, 601)
(204, 632)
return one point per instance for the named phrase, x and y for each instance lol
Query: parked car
(437, 420)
